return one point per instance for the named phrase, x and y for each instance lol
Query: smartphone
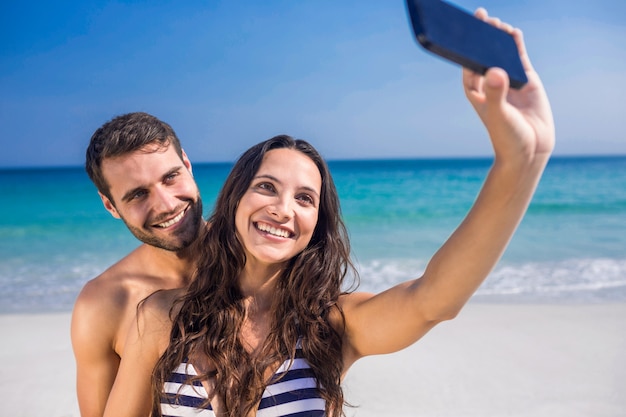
(456, 35)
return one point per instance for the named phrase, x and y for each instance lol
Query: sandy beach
(491, 361)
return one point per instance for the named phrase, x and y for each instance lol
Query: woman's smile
(277, 215)
(274, 231)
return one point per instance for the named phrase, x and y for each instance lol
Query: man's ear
(109, 205)
(186, 161)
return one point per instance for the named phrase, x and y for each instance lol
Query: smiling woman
(268, 326)
(269, 276)
(278, 213)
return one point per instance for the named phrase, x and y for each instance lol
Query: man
(145, 179)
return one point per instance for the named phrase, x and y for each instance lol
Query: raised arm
(521, 129)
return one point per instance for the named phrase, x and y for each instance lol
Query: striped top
(293, 393)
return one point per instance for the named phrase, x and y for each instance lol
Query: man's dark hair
(124, 134)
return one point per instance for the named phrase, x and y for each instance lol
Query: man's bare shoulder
(160, 304)
(127, 282)
(108, 303)
(111, 289)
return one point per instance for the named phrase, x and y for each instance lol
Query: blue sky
(346, 75)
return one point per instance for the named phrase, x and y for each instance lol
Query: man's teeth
(173, 221)
(272, 230)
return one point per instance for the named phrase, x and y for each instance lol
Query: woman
(265, 328)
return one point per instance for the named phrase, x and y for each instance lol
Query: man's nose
(164, 200)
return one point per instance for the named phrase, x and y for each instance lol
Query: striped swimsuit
(293, 394)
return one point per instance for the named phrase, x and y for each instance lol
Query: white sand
(491, 361)
(37, 371)
(504, 360)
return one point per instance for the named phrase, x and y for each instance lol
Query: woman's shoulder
(345, 306)
(350, 300)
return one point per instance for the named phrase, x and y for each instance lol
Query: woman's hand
(519, 122)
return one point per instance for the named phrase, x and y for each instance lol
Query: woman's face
(277, 215)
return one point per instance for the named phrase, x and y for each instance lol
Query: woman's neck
(258, 281)
(258, 286)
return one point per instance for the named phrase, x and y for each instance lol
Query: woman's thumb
(496, 86)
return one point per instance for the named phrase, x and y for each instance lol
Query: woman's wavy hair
(211, 314)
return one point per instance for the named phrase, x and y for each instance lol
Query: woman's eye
(306, 199)
(265, 186)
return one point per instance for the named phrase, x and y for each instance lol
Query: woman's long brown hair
(211, 314)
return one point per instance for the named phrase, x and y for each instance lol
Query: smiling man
(145, 179)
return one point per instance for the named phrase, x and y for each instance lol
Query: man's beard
(181, 238)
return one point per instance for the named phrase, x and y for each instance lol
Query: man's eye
(139, 194)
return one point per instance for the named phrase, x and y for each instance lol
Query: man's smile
(174, 220)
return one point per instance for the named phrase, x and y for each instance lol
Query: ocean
(570, 248)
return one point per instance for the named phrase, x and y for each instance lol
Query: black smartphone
(460, 37)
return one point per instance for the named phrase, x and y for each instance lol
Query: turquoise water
(571, 246)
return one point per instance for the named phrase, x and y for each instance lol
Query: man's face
(154, 193)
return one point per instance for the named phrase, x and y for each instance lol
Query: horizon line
(333, 160)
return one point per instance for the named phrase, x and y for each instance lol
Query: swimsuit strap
(291, 392)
